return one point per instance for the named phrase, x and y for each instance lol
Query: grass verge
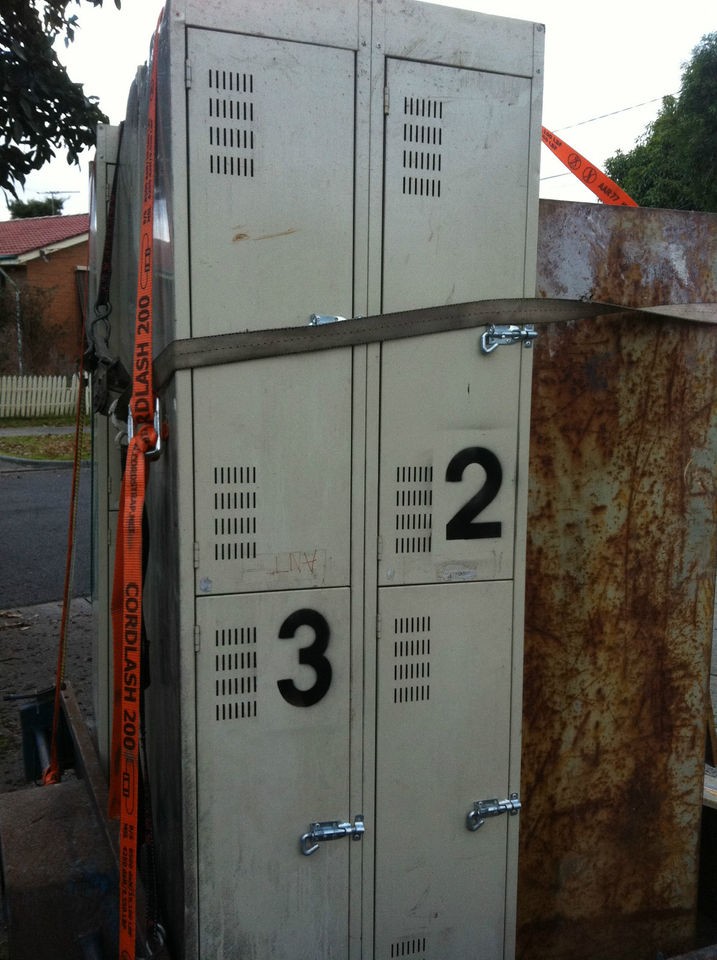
(44, 446)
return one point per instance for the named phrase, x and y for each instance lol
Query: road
(34, 513)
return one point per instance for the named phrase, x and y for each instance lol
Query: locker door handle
(330, 830)
(482, 809)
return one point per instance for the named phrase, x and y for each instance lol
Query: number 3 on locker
(312, 656)
(462, 525)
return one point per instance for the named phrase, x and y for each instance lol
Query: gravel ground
(29, 638)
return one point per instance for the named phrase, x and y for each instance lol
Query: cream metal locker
(444, 737)
(273, 753)
(457, 170)
(271, 149)
(334, 586)
(273, 474)
(449, 642)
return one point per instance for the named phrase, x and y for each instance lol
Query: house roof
(18, 238)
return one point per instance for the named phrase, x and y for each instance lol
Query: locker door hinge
(378, 626)
(197, 638)
(379, 548)
(187, 74)
(386, 101)
(196, 556)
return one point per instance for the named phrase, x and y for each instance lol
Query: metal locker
(449, 642)
(273, 474)
(334, 586)
(271, 207)
(456, 154)
(443, 742)
(273, 754)
(448, 459)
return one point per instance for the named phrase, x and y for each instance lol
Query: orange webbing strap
(127, 584)
(594, 179)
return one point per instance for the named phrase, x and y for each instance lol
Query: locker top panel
(404, 28)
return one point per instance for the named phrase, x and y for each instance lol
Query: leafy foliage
(22, 209)
(674, 163)
(41, 109)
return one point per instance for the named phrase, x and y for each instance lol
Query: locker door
(456, 178)
(273, 708)
(445, 673)
(447, 410)
(271, 150)
(273, 507)
(273, 473)
(444, 686)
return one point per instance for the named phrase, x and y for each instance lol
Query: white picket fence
(30, 396)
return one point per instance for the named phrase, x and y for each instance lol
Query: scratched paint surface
(621, 562)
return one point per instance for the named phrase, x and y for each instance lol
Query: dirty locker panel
(273, 753)
(456, 172)
(446, 673)
(443, 740)
(273, 473)
(449, 433)
(271, 208)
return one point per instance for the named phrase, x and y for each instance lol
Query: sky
(607, 67)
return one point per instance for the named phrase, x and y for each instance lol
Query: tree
(41, 109)
(22, 209)
(674, 163)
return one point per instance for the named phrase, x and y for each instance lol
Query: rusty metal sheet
(628, 255)
(620, 590)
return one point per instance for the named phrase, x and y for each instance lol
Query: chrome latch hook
(330, 830)
(498, 335)
(483, 809)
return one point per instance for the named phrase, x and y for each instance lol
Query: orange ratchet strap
(594, 179)
(127, 584)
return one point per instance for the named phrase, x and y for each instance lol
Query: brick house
(43, 273)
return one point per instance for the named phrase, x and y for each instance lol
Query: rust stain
(622, 546)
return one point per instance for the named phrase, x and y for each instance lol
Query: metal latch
(498, 335)
(150, 454)
(330, 830)
(482, 809)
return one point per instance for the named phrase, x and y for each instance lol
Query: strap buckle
(156, 452)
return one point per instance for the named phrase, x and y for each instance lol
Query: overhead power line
(614, 113)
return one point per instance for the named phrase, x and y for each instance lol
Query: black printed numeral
(463, 525)
(312, 656)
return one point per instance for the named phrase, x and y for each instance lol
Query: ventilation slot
(422, 138)
(235, 513)
(235, 673)
(414, 504)
(231, 123)
(412, 947)
(411, 661)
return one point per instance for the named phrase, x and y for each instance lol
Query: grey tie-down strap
(257, 344)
